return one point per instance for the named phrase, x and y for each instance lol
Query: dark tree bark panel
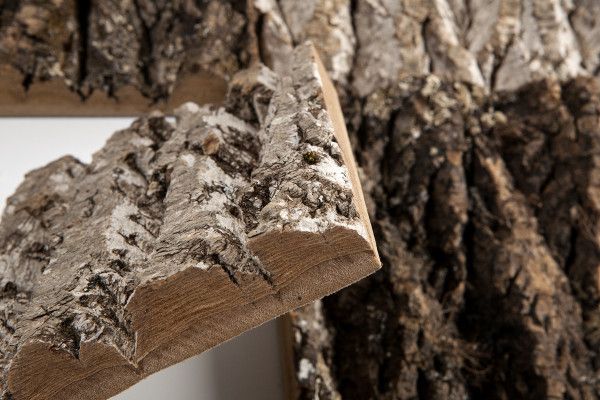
(486, 221)
(476, 129)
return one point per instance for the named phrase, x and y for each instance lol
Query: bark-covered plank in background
(481, 184)
(486, 230)
(109, 57)
(179, 236)
(95, 57)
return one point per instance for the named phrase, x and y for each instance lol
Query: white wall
(248, 367)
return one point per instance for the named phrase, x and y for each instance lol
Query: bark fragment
(178, 236)
(41, 40)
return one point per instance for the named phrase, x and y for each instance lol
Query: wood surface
(179, 236)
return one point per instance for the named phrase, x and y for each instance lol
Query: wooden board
(54, 99)
(178, 237)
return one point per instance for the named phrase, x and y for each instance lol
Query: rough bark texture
(107, 45)
(178, 236)
(146, 48)
(486, 224)
(476, 126)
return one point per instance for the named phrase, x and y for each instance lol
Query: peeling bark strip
(179, 236)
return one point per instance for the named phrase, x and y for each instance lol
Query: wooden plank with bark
(475, 126)
(95, 58)
(179, 236)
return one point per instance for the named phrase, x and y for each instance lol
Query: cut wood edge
(321, 263)
(334, 108)
(53, 98)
